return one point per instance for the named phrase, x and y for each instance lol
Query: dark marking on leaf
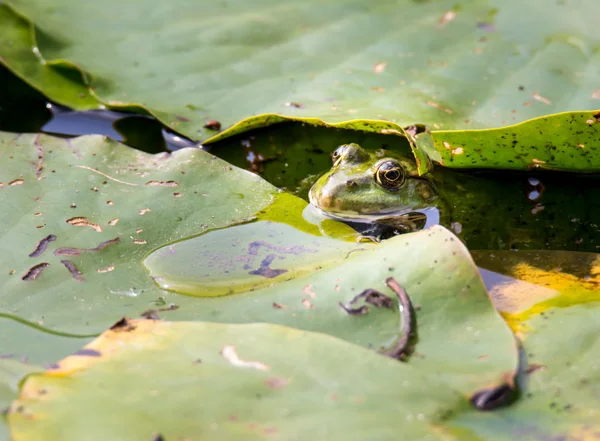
(152, 314)
(371, 296)
(162, 184)
(73, 270)
(123, 325)
(39, 167)
(354, 311)
(42, 245)
(35, 271)
(495, 397)
(265, 269)
(85, 352)
(78, 251)
(158, 437)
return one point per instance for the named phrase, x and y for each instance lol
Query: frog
(485, 209)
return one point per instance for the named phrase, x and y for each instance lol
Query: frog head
(363, 183)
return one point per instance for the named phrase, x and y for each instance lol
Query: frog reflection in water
(487, 210)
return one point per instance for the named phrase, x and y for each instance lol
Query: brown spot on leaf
(80, 221)
(279, 305)
(110, 203)
(177, 195)
(16, 182)
(73, 270)
(35, 271)
(113, 222)
(42, 245)
(213, 124)
(143, 211)
(139, 242)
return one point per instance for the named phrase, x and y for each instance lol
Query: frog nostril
(351, 185)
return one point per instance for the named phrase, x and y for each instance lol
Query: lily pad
(567, 141)
(560, 383)
(286, 383)
(478, 65)
(83, 214)
(432, 265)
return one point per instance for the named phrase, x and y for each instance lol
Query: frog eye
(390, 175)
(338, 153)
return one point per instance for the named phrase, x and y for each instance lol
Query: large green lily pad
(432, 265)
(477, 64)
(279, 382)
(81, 214)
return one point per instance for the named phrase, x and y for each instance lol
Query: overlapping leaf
(213, 381)
(483, 64)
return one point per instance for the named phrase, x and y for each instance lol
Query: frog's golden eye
(390, 175)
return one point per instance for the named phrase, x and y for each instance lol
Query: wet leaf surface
(485, 64)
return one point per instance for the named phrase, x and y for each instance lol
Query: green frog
(487, 210)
